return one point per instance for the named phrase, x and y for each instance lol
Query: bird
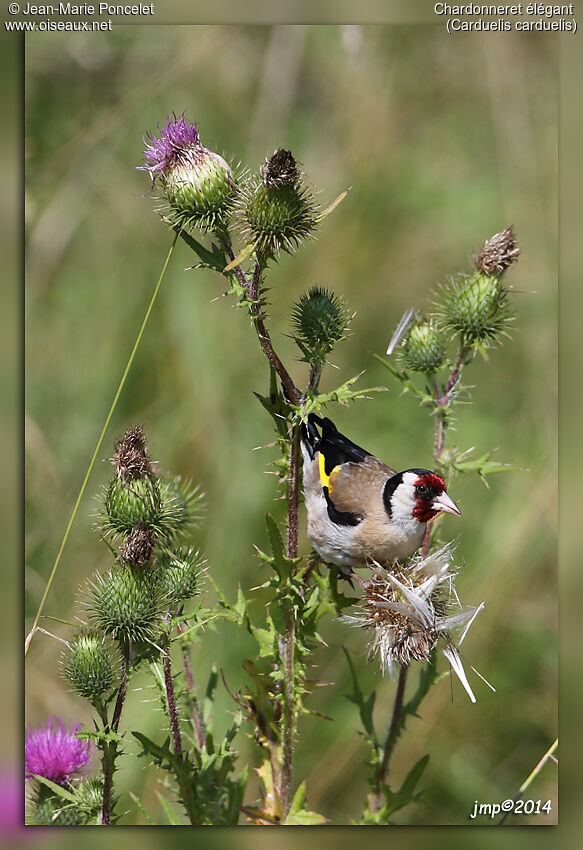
(359, 510)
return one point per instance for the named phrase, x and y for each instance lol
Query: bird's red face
(431, 498)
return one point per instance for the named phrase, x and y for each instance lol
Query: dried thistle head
(130, 459)
(413, 609)
(498, 252)
(139, 545)
(280, 169)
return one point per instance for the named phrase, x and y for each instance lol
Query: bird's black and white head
(417, 494)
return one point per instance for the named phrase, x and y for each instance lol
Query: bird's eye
(421, 489)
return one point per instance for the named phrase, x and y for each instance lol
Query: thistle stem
(196, 719)
(252, 288)
(293, 396)
(391, 738)
(110, 747)
(289, 714)
(171, 700)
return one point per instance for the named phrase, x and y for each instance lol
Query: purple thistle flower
(197, 183)
(54, 751)
(178, 139)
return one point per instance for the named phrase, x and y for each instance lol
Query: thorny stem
(290, 630)
(391, 736)
(110, 747)
(171, 700)
(252, 288)
(293, 396)
(443, 399)
(196, 719)
(182, 775)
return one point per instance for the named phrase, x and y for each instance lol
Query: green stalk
(53, 572)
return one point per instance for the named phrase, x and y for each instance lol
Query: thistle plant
(136, 614)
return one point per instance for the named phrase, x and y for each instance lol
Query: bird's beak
(445, 504)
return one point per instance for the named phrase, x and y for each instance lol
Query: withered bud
(498, 252)
(130, 459)
(137, 550)
(280, 169)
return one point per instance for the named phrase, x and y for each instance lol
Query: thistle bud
(197, 183)
(181, 502)
(127, 505)
(181, 573)
(90, 795)
(476, 307)
(87, 665)
(276, 209)
(424, 350)
(127, 604)
(50, 809)
(498, 253)
(320, 320)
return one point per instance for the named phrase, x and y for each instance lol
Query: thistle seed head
(139, 545)
(411, 610)
(498, 253)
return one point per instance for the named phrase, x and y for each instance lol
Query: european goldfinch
(360, 510)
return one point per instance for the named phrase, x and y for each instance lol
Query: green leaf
(298, 815)
(172, 816)
(365, 706)
(484, 466)
(143, 809)
(57, 789)
(214, 259)
(162, 755)
(412, 779)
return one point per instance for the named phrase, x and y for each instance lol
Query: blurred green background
(441, 148)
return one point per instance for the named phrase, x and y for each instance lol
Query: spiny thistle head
(498, 253)
(197, 183)
(47, 808)
(411, 610)
(424, 349)
(139, 545)
(90, 794)
(182, 502)
(130, 459)
(276, 210)
(87, 665)
(127, 505)
(476, 307)
(181, 573)
(54, 750)
(127, 603)
(320, 320)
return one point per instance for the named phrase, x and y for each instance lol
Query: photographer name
(87, 10)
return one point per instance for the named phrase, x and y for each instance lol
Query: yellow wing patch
(325, 479)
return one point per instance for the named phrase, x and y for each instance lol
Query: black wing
(335, 447)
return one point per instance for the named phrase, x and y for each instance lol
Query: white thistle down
(413, 609)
